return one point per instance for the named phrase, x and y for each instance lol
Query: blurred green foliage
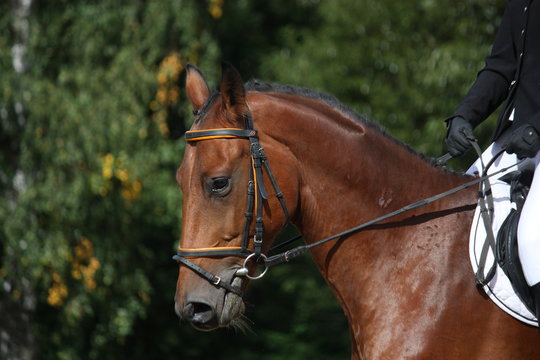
(404, 64)
(89, 138)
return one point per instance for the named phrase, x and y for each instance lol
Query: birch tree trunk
(16, 336)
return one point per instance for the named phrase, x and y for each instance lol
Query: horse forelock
(207, 105)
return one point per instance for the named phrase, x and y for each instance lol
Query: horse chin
(204, 327)
(233, 307)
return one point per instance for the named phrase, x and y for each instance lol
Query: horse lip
(205, 327)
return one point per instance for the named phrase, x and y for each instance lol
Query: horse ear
(232, 90)
(196, 87)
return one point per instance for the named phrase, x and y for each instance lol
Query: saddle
(493, 248)
(506, 252)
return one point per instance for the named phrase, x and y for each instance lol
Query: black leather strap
(283, 257)
(279, 194)
(485, 201)
(213, 252)
(212, 279)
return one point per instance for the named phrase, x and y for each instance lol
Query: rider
(511, 73)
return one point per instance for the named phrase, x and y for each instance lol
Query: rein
(288, 255)
(257, 193)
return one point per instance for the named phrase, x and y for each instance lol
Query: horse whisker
(242, 324)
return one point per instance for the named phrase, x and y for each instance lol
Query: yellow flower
(85, 264)
(107, 164)
(58, 291)
(164, 129)
(89, 272)
(137, 186)
(161, 95)
(162, 78)
(174, 94)
(154, 105)
(216, 8)
(167, 92)
(108, 159)
(122, 175)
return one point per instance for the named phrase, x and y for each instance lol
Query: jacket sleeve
(493, 81)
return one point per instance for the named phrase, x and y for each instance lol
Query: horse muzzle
(205, 312)
(201, 315)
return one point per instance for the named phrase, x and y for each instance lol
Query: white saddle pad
(499, 289)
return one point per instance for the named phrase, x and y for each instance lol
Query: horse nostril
(188, 312)
(200, 314)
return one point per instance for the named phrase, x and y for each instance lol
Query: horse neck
(408, 275)
(348, 172)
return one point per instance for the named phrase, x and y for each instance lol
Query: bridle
(256, 191)
(256, 194)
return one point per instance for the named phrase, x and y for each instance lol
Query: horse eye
(220, 185)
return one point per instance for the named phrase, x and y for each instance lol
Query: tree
(90, 204)
(90, 208)
(91, 112)
(403, 64)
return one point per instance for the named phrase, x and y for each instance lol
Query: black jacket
(511, 72)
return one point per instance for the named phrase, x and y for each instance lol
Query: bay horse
(405, 284)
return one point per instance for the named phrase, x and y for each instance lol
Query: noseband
(256, 193)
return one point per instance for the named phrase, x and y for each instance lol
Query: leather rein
(256, 193)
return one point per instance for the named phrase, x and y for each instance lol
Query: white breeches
(529, 230)
(529, 222)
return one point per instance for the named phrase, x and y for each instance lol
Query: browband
(226, 133)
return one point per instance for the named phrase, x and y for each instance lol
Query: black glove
(524, 142)
(459, 136)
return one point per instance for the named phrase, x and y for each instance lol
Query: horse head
(225, 204)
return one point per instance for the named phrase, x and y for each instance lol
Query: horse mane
(257, 85)
(332, 101)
